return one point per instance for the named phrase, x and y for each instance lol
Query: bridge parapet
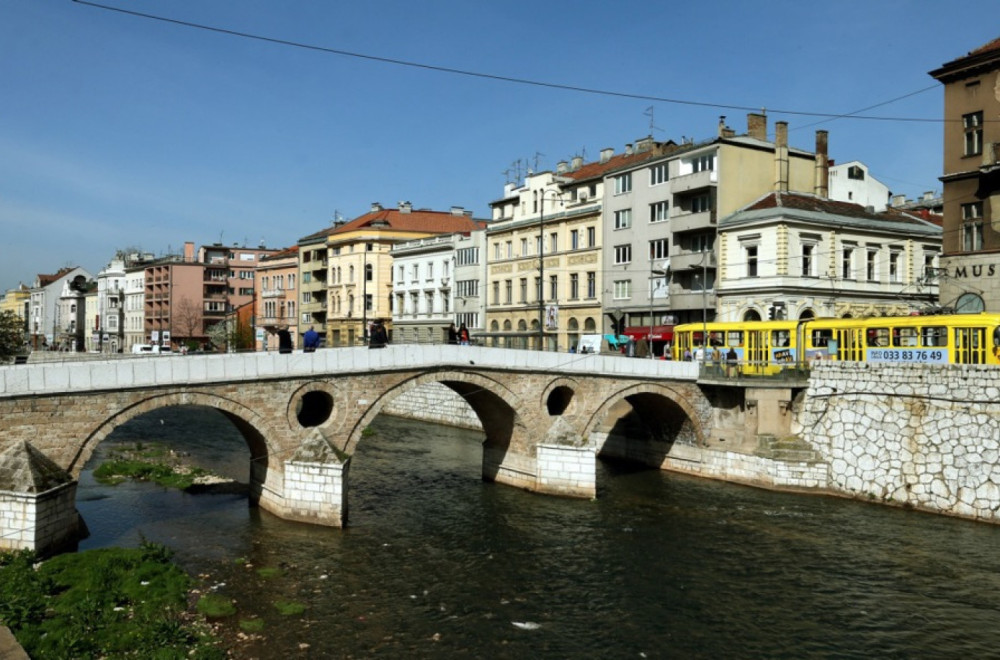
(159, 371)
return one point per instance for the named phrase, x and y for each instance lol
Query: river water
(437, 563)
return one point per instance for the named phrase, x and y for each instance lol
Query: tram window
(878, 336)
(821, 337)
(779, 338)
(735, 337)
(715, 339)
(935, 336)
(904, 337)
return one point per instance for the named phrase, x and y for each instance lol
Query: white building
(796, 255)
(108, 333)
(45, 295)
(422, 289)
(851, 182)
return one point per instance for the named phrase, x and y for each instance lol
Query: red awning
(660, 332)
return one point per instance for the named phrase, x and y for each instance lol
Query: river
(437, 563)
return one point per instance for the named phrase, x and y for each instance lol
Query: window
(659, 249)
(510, 249)
(467, 256)
(973, 125)
(847, 264)
(402, 274)
(553, 242)
(894, 266)
(623, 219)
(972, 236)
(574, 239)
(509, 291)
(591, 237)
(496, 293)
(368, 302)
(807, 260)
(496, 251)
(623, 183)
(574, 286)
(856, 173)
(524, 247)
(591, 285)
(369, 273)
(553, 287)
(871, 265)
(704, 163)
(658, 174)
(524, 290)
(659, 211)
(430, 271)
(623, 254)
(467, 288)
(701, 204)
(539, 293)
(751, 258)
(623, 289)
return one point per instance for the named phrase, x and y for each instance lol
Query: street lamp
(541, 266)
(653, 272)
(704, 305)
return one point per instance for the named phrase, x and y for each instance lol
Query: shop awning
(660, 332)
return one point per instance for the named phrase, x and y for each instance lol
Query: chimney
(457, 210)
(928, 195)
(628, 149)
(606, 154)
(821, 185)
(405, 207)
(781, 156)
(376, 207)
(722, 125)
(188, 251)
(898, 200)
(757, 126)
(577, 162)
(645, 144)
(562, 167)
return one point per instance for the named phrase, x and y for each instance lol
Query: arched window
(751, 315)
(807, 314)
(589, 325)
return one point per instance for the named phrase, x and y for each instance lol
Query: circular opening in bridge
(559, 400)
(314, 408)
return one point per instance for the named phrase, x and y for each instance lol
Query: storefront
(659, 340)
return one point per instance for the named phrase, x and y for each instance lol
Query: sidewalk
(9, 648)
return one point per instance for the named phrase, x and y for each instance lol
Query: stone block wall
(434, 402)
(926, 436)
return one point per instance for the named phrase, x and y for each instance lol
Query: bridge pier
(37, 502)
(569, 471)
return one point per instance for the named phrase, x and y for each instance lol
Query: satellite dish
(970, 303)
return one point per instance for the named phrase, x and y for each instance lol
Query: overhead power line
(518, 81)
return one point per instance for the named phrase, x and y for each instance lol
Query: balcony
(691, 261)
(687, 221)
(695, 181)
(688, 299)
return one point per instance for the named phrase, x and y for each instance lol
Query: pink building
(277, 297)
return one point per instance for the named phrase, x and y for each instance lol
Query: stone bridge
(545, 417)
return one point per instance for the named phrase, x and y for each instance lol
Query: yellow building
(360, 267)
(17, 301)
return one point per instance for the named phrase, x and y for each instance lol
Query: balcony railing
(687, 221)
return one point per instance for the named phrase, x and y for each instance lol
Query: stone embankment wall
(926, 436)
(434, 402)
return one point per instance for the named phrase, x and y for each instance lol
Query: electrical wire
(521, 81)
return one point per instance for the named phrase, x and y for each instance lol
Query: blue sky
(118, 131)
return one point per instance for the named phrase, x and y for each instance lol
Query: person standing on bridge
(463, 335)
(452, 334)
(379, 337)
(284, 340)
(310, 340)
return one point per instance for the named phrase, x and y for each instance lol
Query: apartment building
(852, 182)
(437, 282)
(359, 273)
(660, 220)
(44, 301)
(794, 255)
(277, 299)
(970, 260)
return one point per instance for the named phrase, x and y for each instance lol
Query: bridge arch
(668, 413)
(260, 435)
(494, 404)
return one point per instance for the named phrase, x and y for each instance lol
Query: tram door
(970, 345)
(756, 352)
(850, 345)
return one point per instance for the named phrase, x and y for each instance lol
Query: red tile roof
(433, 222)
(45, 280)
(598, 169)
(985, 48)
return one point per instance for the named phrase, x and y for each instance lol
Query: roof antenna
(652, 122)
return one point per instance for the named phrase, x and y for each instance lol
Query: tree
(186, 320)
(11, 334)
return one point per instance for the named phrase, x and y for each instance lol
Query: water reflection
(437, 562)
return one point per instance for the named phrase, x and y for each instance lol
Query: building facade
(360, 266)
(970, 260)
(45, 295)
(852, 182)
(660, 221)
(277, 298)
(107, 335)
(797, 256)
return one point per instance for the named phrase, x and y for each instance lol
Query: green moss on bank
(108, 603)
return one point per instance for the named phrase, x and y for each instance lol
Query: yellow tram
(768, 346)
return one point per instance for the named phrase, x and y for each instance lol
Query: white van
(149, 349)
